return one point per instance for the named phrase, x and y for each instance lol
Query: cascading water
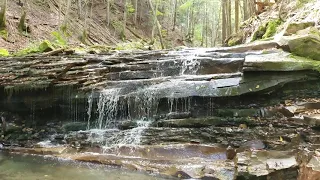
(139, 104)
(130, 137)
(190, 65)
(108, 107)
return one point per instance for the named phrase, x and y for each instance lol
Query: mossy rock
(266, 30)
(235, 39)
(306, 46)
(259, 32)
(271, 28)
(4, 52)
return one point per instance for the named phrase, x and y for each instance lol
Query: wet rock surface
(246, 112)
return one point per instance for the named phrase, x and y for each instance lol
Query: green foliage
(130, 8)
(4, 52)
(45, 46)
(185, 6)
(59, 39)
(41, 47)
(4, 34)
(159, 13)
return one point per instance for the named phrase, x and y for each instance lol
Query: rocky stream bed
(246, 112)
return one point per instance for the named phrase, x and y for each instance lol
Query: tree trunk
(124, 25)
(229, 22)
(67, 13)
(236, 18)
(245, 10)
(154, 25)
(3, 15)
(224, 28)
(217, 29)
(108, 12)
(60, 9)
(157, 23)
(79, 9)
(135, 12)
(175, 15)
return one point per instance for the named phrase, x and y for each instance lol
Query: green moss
(4, 34)
(4, 52)
(307, 62)
(306, 48)
(259, 32)
(271, 28)
(235, 39)
(267, 30)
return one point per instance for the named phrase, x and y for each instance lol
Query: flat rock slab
(280, 61)
(313, 120)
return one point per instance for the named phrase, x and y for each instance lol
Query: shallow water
(26, 167)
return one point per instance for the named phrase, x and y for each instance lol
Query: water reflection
(26, 167)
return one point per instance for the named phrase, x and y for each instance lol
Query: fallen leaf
(281, 139)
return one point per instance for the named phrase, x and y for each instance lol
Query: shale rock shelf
(247, 112)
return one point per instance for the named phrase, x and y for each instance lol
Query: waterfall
(129, 137)
(108, 107)
(89, 109)
(190, 65)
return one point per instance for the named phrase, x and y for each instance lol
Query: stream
(247, 112)
(28, 167)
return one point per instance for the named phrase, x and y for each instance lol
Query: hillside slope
(43, 18)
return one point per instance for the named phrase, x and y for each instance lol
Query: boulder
(313, 120)
(306, 44)
(293, 28)
(311, 170)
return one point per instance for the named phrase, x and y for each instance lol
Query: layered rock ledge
(255, 101)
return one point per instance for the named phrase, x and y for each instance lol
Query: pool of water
(26, 167)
